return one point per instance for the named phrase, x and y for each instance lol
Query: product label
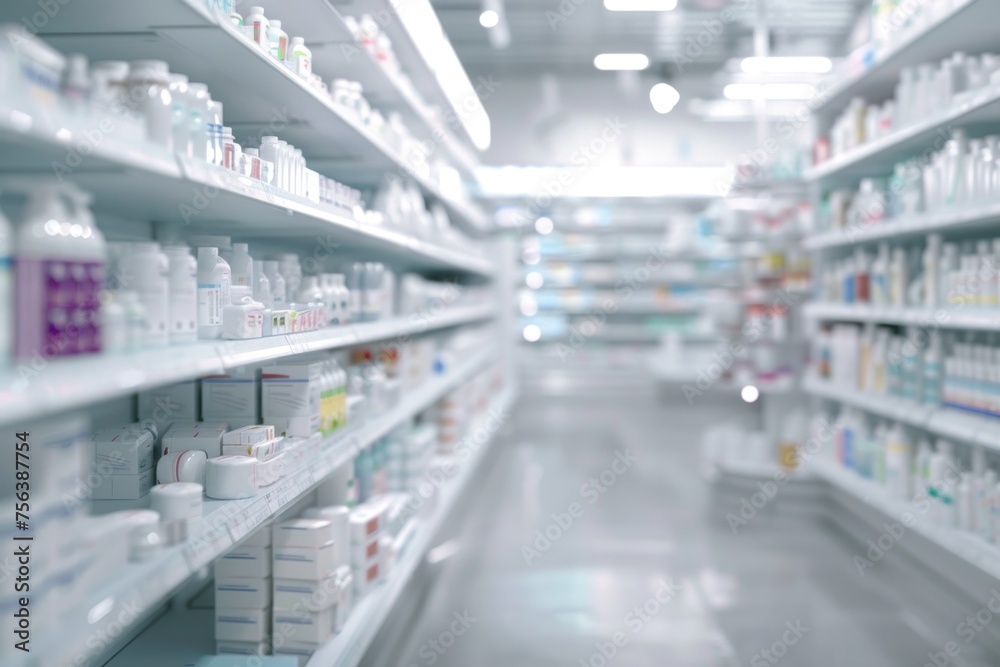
(209, 304)
(58, 307)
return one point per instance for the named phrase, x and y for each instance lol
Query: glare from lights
(489, 19)
(544, 226)
(787, 65)
(769, 91)
(750, 394)
(529, 307)
(621, 61)
(531, 258)
(640, 5)
(534, 280)
(532, 333)
(664, 97)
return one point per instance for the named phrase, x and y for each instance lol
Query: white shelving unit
(226, 523)
(969, 319)
(142, 191)
(966, 26)
(953, 423)
(193, 41)
(68, 384)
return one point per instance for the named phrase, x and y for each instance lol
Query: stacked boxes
(366, 532)
(232, 398)
(291, 398)
(306, 587)
(243, 597)
(170, 403)
(451, 419)
(123, 464)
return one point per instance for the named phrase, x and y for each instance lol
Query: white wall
(545, 120)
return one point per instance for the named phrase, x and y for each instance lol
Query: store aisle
(649, 560)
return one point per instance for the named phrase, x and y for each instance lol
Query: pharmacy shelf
(968, 547)
(966, 27)
(158, 646)
(31, 392)
(982, 217)
(332, 139)
(144, 586)
(336, 55)
(426, 76)
(365, 621)
(951, 423)
(970, 318)
(144, 182)
(877, 158)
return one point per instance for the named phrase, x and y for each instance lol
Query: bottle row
(966, 172)
(927, 367)
(921, 93)
(937, 275)
(945, 489)
(76, 555)
(70, 292)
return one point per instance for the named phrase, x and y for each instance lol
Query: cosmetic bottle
(214, 286)
(183, 294)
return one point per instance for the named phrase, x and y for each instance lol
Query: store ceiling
(545, 38)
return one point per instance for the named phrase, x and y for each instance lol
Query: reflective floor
(593, 541)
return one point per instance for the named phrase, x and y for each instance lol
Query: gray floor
(728, 597)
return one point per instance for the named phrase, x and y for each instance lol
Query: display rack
(233, 521)
(193, 41)
(952, 554)
(873, 73)
(68, 384)
(142, 191)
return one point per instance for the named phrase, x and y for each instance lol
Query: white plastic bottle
(279, 41)
(214, 283)
(241, 265)
(135, 320)
(261, 285)
(183, 294)
(201, 141)
(114, 323)
(279, 290)
(59, 266)
(258, 28)
(149, 86)
(300, 58)
(214, 121)
(180, 99)
(964, 501)
(310, 293)
(145, 270)
(6, 289)
(270, 150)
(291, 271)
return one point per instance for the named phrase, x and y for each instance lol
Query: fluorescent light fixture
(534, 280)
(664, 97)
(769, 91)
(422, 27)
(544, 226)
(640, 5)
(489, 19)
(787, 65)
(532, 333)
(621, 61)
(749, 394)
